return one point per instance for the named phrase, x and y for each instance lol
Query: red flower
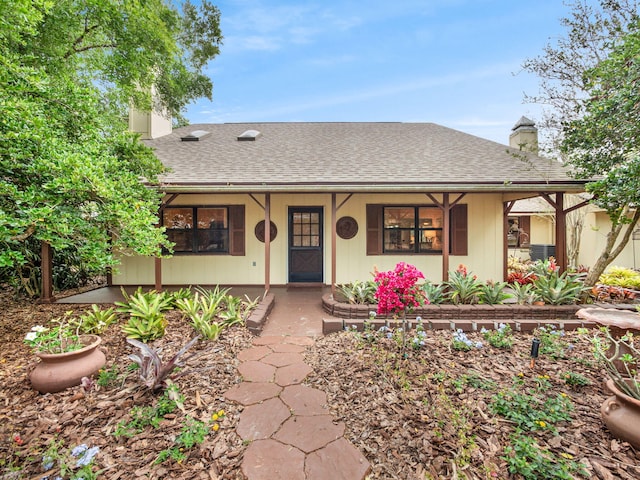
(398, 291)
(18, 439)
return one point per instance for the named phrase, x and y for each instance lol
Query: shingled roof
(349, 157)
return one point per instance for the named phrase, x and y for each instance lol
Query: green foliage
(193, 433)
(493, 293)
(74, 464)
(501, 337)
(62, 336)
(552, 343)
(107, 377)
(153, 372)
(525, 457)
(434, 292)
(621, 277)
(575, 379)
(68, 72)
(523, 293)
(359, 292)
(556, 288)
(531, 409)
(145, 416)
(620, 357)
(146, 310)
(97, 320)
(462, 287)
(202, 309)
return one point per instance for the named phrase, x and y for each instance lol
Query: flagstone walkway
(292, 435)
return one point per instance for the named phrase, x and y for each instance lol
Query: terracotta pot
(57, 371)
(621, 415)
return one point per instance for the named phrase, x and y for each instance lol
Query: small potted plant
(620, 356)
(66, 354)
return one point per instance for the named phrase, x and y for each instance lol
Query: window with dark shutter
(423, 222)
(236, 228)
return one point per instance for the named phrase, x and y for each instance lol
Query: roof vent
(195, 136)
(249, 136)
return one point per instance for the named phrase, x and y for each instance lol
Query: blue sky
(452, 62)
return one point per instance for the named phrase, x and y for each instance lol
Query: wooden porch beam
(267, 242)
(158, 274)
(446, 238)
(334, 242)
(507, 207)
(46, 273)
(344, 201)
(561, 233)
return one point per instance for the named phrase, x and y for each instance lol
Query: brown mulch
(424, 416)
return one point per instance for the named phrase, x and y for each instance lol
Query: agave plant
(558, 288)
(153, 372)
(359, 292)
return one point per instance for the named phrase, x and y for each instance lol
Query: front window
(197, 229)
(413, 229)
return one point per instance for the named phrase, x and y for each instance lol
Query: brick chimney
(524, 136)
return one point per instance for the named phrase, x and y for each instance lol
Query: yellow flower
(221, 413)
(216, 427)
(214, 417)
(566, 455)
(521, 374)
(563, 394)
(541, 423)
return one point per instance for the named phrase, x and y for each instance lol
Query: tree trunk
(609, 253)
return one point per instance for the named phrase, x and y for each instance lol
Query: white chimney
(524, 136)
(149, 124)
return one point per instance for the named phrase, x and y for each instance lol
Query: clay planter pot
(621, 415)
(57, 371)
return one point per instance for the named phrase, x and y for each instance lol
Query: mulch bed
(411, 418)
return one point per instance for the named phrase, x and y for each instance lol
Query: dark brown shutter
(459, 232)
(374, 229)
(236, 230)
(524, 224)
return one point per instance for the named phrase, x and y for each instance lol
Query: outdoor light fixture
(535, 346)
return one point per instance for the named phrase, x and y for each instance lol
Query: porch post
(334, 211)
(507, 206)
(267, 242)
(446, 238)
(158, 274)
(46, 272)
(561, 233)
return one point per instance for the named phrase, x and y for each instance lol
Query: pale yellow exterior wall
(484, 259)
(596, 226)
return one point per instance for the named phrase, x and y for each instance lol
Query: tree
(603, 143)
(70, 173)
(568, 73)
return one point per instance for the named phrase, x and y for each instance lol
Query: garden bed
(424, 416)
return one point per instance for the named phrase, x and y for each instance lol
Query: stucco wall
(484, 244)
(596, 226)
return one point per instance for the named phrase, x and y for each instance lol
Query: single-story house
(340, 200)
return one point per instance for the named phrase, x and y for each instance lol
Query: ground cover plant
(438, 413)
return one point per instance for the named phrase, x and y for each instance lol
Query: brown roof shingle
(349, 156)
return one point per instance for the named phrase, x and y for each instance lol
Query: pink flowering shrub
(398, 290)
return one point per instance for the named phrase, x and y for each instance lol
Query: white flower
(39, 329)
(31, 336)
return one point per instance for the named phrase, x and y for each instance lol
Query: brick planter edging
(257, 318)
(452, 317)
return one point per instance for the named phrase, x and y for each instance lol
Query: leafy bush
(97, 320)
(499, 338)
(558, 288)
(146, 310)
(621, 277)
(359, 292)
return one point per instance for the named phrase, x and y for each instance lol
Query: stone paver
(271, 460)
(254, 371)
(282, 359)
(309, 433)
(292, 433)
(248, 393)
(339, 460)
(260, 421)
(304, 400)
(292, 374)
